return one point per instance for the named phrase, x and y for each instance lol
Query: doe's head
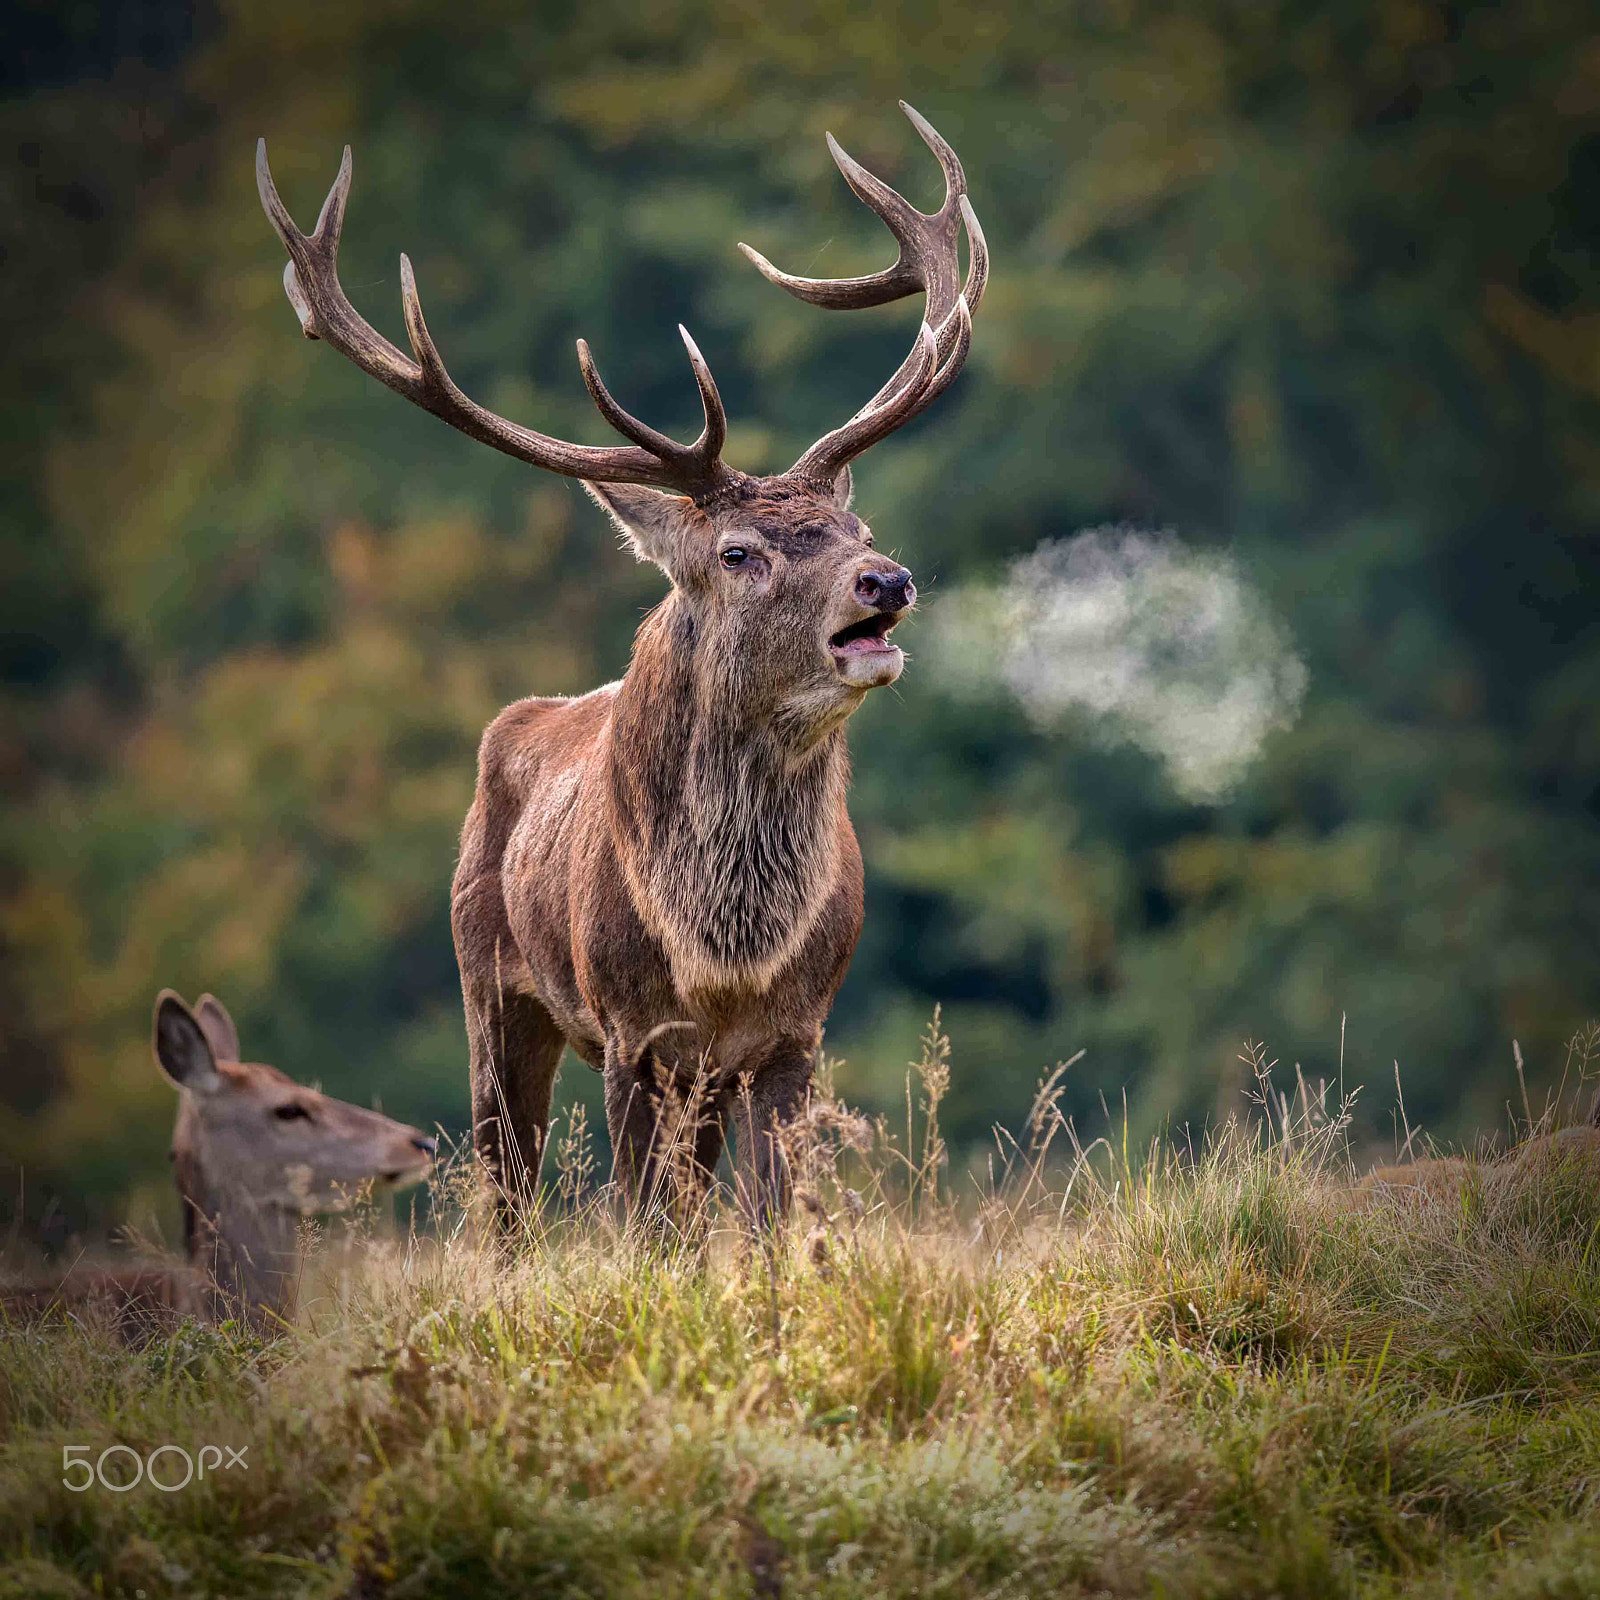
(264, 1139)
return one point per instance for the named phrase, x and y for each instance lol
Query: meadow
(1218, 1371)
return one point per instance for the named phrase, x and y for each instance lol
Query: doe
(252, 1153)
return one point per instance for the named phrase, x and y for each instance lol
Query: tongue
(863, 644)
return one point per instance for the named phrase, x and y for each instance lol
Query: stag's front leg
(633, 1117)
(766, 1099)
(667, 1140)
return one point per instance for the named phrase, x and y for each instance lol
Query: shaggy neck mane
(727, 814)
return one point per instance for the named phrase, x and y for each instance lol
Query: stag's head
(263, 1139)
(791, 606)
(779, 576)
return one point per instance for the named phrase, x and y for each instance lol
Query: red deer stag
(662, 873)
(252, 1152)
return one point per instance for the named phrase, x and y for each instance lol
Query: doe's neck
(246, 1253)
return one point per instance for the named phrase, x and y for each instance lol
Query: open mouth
(868, 637)
(404, 1177)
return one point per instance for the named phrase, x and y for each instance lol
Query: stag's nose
(429, 1147)
(886, 588)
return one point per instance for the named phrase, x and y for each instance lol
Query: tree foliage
(1318, 285)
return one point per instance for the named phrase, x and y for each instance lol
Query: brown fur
(1445, 1177)
(1414, 1180)
(133, 1301)
(662, 873)
(245, 1173)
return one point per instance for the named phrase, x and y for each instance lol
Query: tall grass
(1179, 1371)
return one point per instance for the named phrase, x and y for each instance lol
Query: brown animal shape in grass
(1445, 1177)
(662, 873)
(253, 1152)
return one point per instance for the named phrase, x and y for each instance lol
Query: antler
(928, 262)
(311, 280)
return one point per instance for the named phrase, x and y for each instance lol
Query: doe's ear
(181, 1048)
(217, 1026)
(656, 524)
(844, 488)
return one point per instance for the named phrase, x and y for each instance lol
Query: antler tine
(330, 220)
(977, 257)
(713, 435)
(311, 281)
(958, 327)
(929, 261)
(324, 240)
(838, 294)
(823, 462)
(422, 345)
(955, 179)
(910, 227)
(898, 213)
(876, 288)
(715, 432)
(951, 342)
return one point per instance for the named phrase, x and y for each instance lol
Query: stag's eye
(734, 556)
(293, 1111)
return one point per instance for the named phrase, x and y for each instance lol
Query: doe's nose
(429, 1147)
(886, 589)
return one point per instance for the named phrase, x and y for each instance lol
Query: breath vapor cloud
(1148, 642)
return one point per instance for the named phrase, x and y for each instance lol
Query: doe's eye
(734, 556)
(292, 1112)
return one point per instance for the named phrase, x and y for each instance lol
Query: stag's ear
(181, 1047)
(844, 489)
(217, 1026)
(657, 525)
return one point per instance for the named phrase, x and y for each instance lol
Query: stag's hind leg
(515, 1050)
(514, 1045)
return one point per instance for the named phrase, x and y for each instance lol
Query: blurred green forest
(1315, 284)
